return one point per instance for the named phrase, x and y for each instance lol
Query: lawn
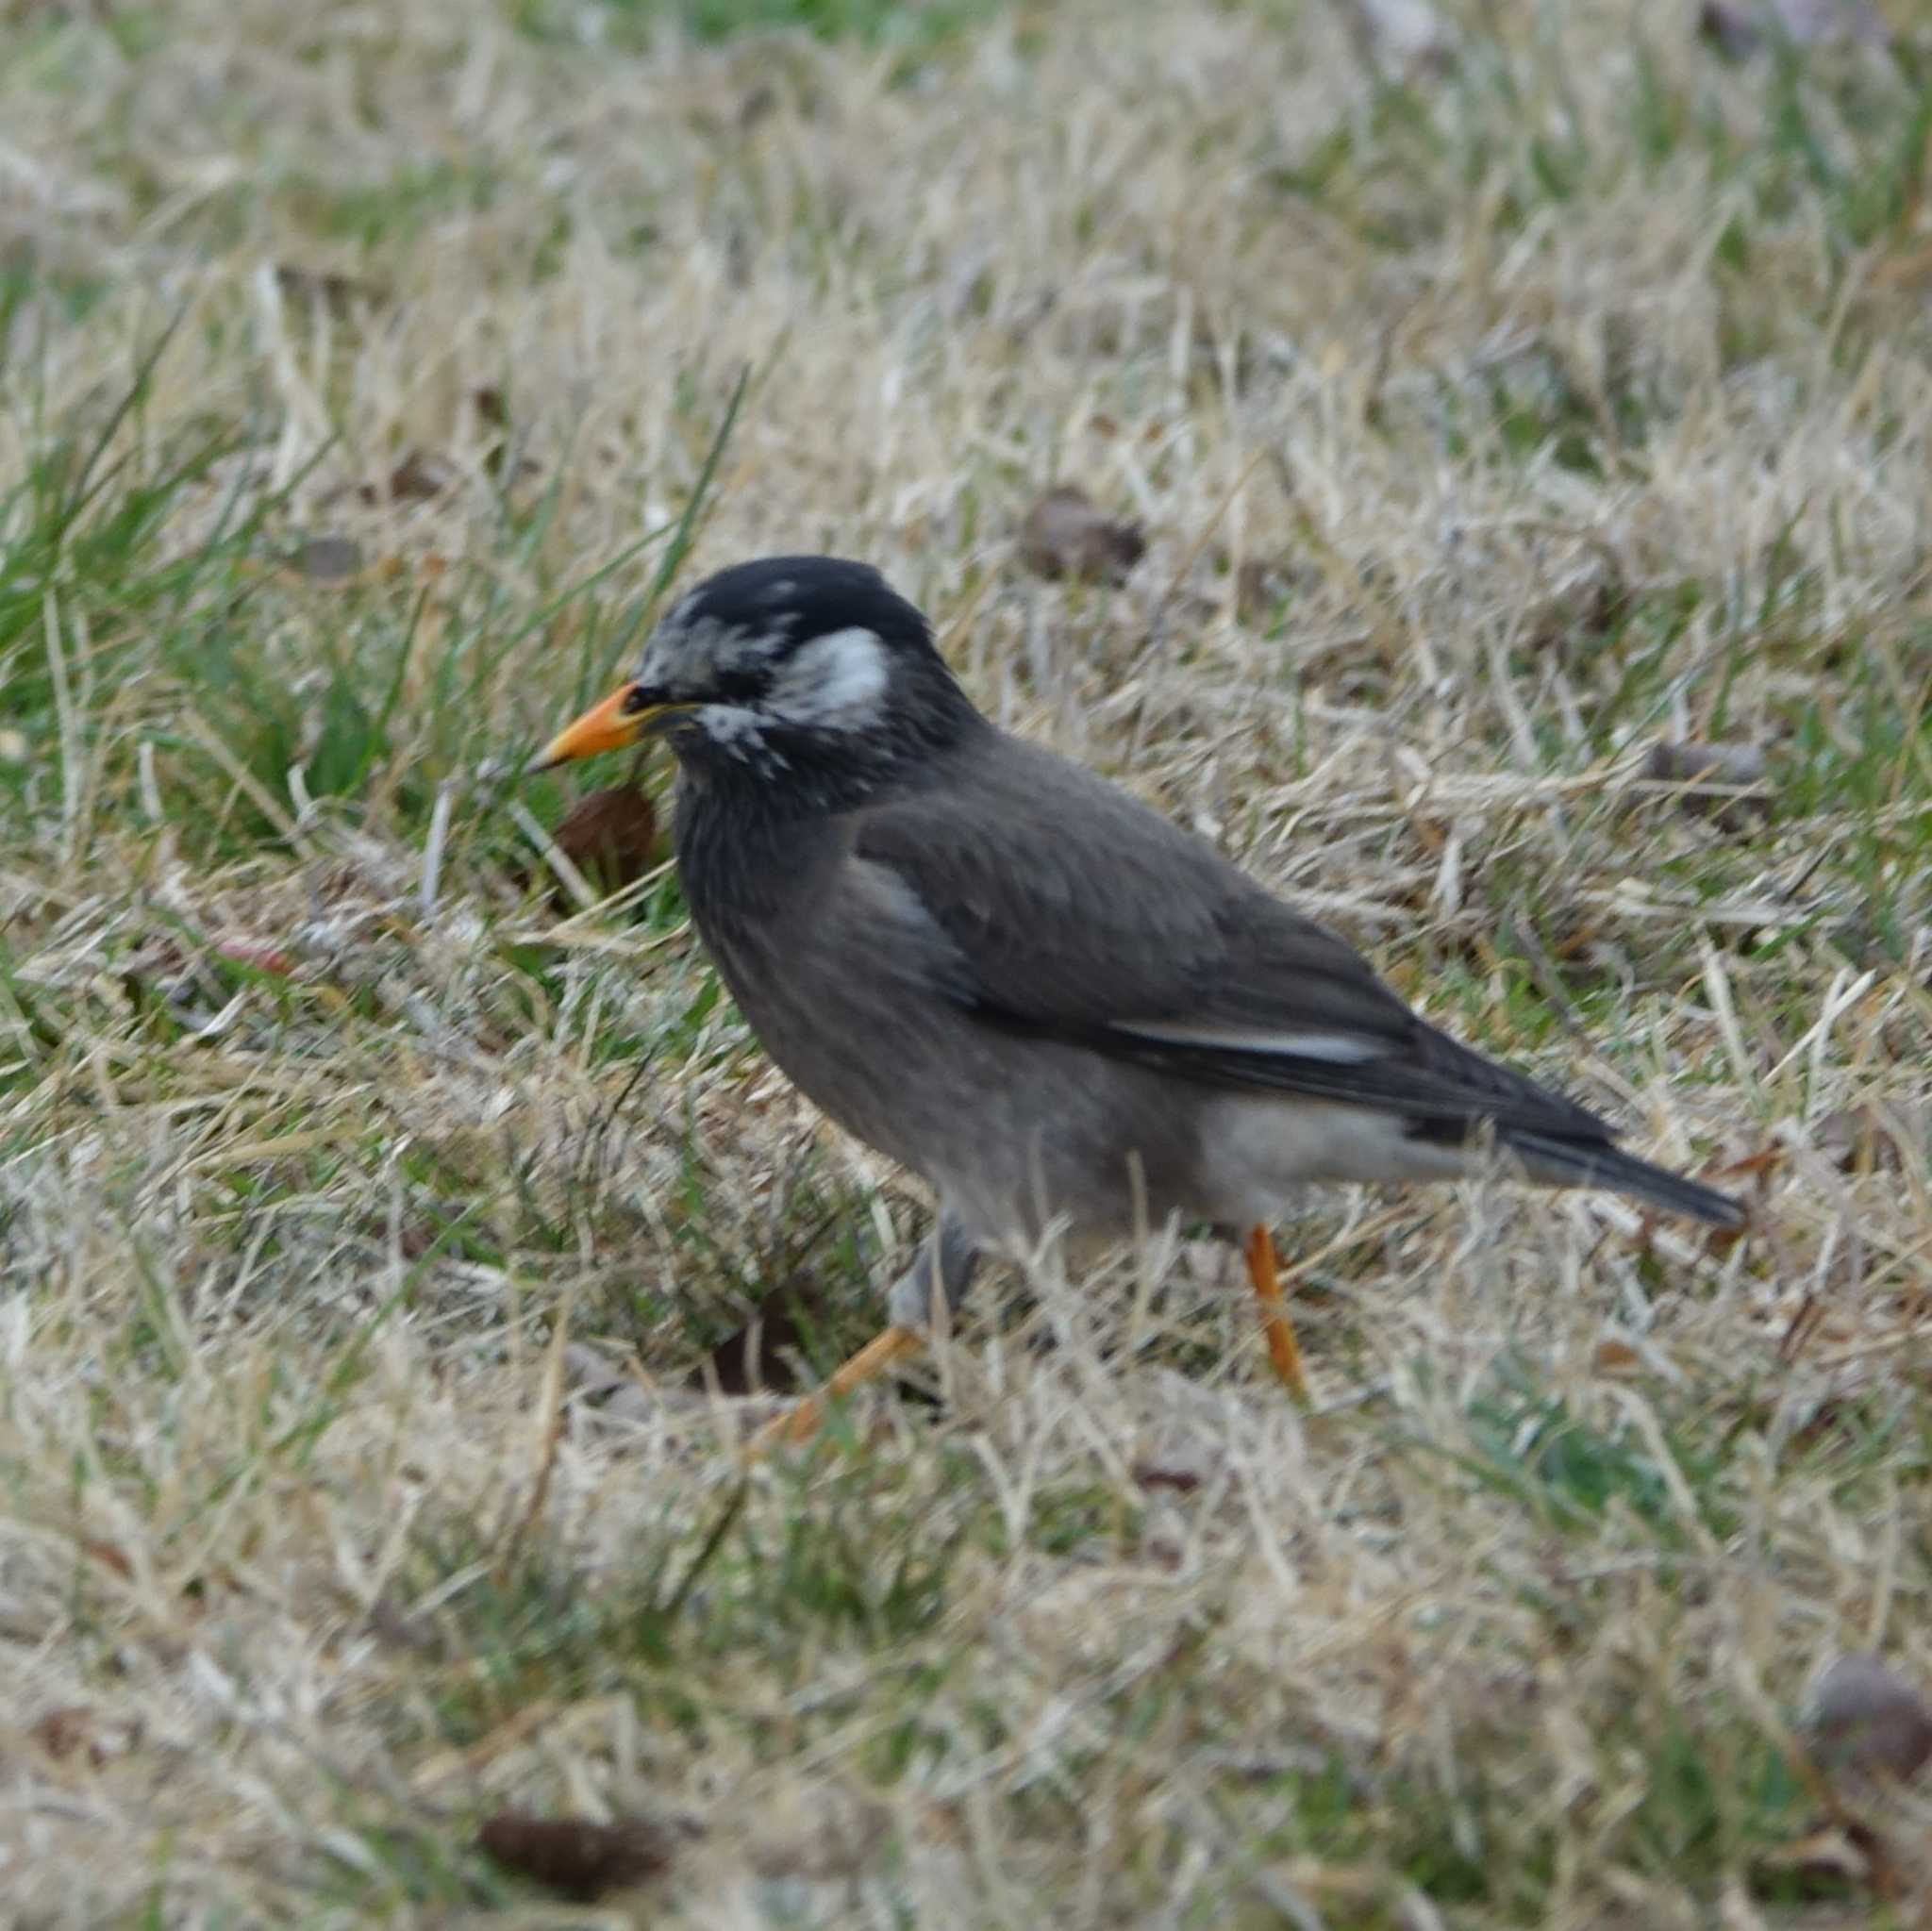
(1502, 394)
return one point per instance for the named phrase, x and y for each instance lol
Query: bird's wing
(1066, 910)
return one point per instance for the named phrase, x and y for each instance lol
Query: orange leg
(1283, 1349)
(800, 1422)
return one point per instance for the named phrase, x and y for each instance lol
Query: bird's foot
(1284, 1351)
(802, 1422)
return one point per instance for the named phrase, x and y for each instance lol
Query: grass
(366, 1204)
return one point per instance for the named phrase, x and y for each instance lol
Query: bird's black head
(799, 668)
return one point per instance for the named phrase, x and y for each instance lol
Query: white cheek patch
(733, 728)
(835, 682)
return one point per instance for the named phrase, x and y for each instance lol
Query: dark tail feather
(1596, 1163)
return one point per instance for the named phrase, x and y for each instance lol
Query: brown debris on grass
(1067, 534)
(573, 1857)
(1713, 779)
(326, 559)
(1867, 1721)
(610, 836)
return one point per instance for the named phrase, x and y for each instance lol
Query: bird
(1057, 1006)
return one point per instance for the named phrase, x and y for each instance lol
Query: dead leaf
(1868, 1721)
(611, 836)
(415, 479)
(1178, 1476)
(1066, 534)
(1710, 764)
(1725, 782)
(1731, 28)
(573, 1856)
(77, 1727)
(1739, 27)
(326, 559)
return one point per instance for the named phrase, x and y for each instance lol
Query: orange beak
(607, 726)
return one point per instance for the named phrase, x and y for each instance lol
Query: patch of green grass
(1574, 1475)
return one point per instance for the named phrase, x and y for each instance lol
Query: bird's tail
(1595, 1163)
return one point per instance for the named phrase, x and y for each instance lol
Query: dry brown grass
(1575, 399)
